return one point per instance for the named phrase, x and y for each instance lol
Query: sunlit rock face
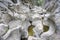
(19, 22)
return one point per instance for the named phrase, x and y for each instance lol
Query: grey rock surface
(16, 14)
